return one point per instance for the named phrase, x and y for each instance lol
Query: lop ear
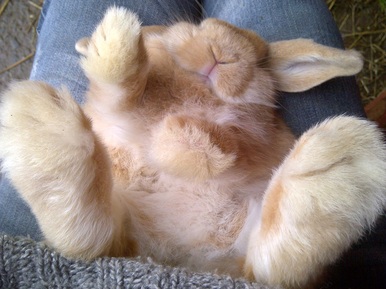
(301, 64)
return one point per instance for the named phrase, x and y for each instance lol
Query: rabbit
(179, 153)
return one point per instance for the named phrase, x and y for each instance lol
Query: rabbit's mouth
(208, 73)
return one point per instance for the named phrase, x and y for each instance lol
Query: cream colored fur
(179, 154)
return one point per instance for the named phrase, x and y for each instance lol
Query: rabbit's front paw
(112, 53)
(191, 149)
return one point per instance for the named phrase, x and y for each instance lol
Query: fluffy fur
(179, 154)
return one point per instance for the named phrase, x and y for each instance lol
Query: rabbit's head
(206, 94)
(233, 61)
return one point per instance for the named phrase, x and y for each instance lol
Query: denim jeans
(62, 23)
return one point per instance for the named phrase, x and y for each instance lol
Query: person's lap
(56, 61)
(64, 22)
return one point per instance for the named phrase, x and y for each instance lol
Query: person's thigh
(56, 62)
(276, 20)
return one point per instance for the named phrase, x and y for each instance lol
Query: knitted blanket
(25, 263)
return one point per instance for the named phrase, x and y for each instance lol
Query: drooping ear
(301, 64)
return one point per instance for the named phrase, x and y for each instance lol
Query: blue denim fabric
(62, 23)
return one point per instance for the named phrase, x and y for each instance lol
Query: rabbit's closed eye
(227, 56)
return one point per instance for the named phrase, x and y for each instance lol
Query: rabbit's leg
(115, 61)
(59, 167)
(329, 190)
(191, 148)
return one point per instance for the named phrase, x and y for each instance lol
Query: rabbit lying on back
(179, 153)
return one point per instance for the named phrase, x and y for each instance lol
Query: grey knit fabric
(27, 264)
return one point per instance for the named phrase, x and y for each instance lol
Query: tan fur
(271, 216)
(290, 63)
(184, 159)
